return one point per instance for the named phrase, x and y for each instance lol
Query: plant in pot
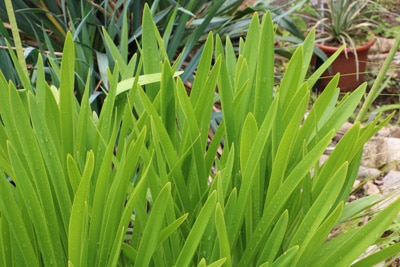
(344, 23)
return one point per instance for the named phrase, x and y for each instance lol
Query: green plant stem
(373, 94)
(17, 39)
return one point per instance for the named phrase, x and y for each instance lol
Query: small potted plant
(348, 23)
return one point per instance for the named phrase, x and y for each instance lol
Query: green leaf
(50, 151)
(273, 208)
(250, 54)
(116, 195)
(318, 72)
(86, 128)
(153, 227)
(202, 70)
(275, 239)
(355, 207)
(171, 228)
(67, 99)
(5, 241)
(265, 69)
(249, 133)
(196, 232)
(308, 50)
(378, 257)
(320, 208)
(167, 100)
(358, 240)
(249, 171)
(217, 263)
(286, 258)
(78, 224)
(294, 112)
(291, 79)
(11, 212)
(43, 223)
(129, 252)
(100, 194)
(223, 241)
(23, 73)
(151, 54)
(319, 238)
(127, 84)
(226, 93)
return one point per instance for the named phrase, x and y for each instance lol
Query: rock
(356, 185)
(392, 131)
(391, 181)
(385, 131)
(342, 131)
(382, 45)
(322, 159)
(375, 152)
(393, 152)
(371, 189)
(395, 131)
(368, 173)
(346, 126)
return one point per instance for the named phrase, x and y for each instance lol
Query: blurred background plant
(389, 20)
(183, 26)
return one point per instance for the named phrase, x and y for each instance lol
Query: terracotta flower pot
(347, 67)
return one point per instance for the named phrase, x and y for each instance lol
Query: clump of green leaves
(141, 183)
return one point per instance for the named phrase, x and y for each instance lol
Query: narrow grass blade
(67, 98)
(17, 40)
(153, 227)
(265, 69)
(127, 84)
(11, 211)
(196, 232)
(78, 225)
(223, 241)
(275, 239)
(378, 257)
(358, 240)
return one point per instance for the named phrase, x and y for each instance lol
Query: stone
(322, 159)
(391, 181)
(368, 173)
(371, 188)
(395, 131)
(393, 149)
(385, 131)
(345, 127)
(356, 184)
(375, 152)
(382, 45)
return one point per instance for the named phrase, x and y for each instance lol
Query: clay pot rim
(359, 48)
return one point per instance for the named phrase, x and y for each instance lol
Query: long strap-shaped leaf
(195, 235)
(153, 227)
(78, 225)
(24, 251)
(342, 252)
(17, 40)
(273, 208)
